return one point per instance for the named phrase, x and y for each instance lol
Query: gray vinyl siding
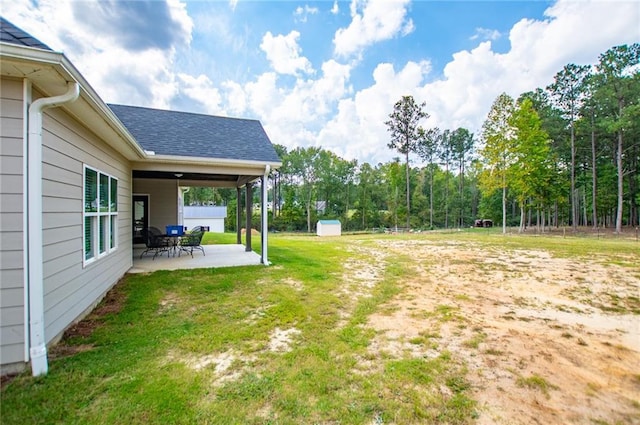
(70, 287)
(11, 222)
(163, 200)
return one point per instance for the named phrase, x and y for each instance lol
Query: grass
(156, 360)
(475, 340)
(536, 382)
(192, 346)
(442, 313)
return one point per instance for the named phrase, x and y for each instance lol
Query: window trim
(102, 242)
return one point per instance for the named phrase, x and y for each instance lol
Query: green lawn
(197, 346)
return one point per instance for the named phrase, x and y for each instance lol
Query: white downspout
(25, 219)
(265, 215)
(35, 282)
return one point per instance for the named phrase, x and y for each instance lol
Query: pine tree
(405, 133)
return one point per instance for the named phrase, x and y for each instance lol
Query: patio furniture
(175, 230)
(155, 241)
(191, 240)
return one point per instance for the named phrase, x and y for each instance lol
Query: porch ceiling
(196, 179)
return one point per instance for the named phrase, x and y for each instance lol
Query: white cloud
(335, 9)
(539, 49)
(202, 89)
(236, 98)
(302, 13)
(358, 130)
(144, 77)
(473, 79)
(372, 21)
(485, 34)
(263, 94)
(307, 103)
(293, 116)
(300, 106)
(31, 18)
(283, 53)
(217, 26)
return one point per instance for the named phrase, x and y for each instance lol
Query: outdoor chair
(192, 240)
(155, 241)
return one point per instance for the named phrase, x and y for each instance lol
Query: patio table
(173, 240)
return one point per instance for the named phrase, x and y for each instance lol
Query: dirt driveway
(545, 340)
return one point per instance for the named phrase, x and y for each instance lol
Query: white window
(100, 214)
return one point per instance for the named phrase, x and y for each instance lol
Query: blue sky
(325, 73)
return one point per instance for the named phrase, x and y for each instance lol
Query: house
(329, 228)
(74, 170)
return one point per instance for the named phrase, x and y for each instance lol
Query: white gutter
(265, 215)
(35, 281)
(155, 158)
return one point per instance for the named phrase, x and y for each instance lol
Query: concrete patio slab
(216, 256)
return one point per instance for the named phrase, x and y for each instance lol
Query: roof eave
(215, 162)
(110, 129)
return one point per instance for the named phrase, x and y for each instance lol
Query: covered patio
(185, 150)
(223, 255)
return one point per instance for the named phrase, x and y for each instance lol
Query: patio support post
(238, 215)
(264, 259)
(249, 195)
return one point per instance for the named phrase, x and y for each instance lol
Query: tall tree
(405, 133)
(613, 67)
(531, 169)
(347, 174)
(392, 174)
(445, 153)
(589, 111)
(461, 144)
(277, 181)
(427, 149)
(365, 184)
(302, 164)
(329, 186)
(498, 152)
(555, 125)
(568, 93)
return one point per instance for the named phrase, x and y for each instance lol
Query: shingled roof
(9, 33)
(197, 135)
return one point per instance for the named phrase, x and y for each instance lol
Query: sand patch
(514, 315)
(280, 340)
(225, 367)
(362, 273)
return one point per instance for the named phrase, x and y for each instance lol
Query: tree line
(562, 155)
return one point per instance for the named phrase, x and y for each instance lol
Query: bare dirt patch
(280, 340)
(544, 339)
(112, 303)
(362, 273)
(225, 367)
(168, 303)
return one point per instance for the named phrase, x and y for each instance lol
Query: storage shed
(329, 228)
(211, 216)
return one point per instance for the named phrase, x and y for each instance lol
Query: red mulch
(111, 303)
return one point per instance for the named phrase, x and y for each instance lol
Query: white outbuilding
(329, 228)
(210, 216)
